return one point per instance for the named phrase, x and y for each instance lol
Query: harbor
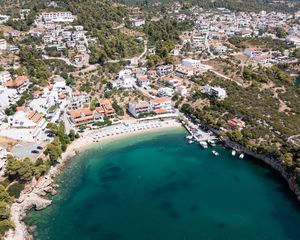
(205, 138)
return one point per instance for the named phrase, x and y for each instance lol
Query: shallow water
(160, 187)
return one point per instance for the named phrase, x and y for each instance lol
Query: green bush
(15, 189)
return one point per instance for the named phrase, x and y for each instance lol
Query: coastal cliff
(34, 196)
(274, 163)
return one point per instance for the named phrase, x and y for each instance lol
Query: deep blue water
(159, 187)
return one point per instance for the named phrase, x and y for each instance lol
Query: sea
(159, 187)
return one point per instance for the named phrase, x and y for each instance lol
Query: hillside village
(208, 42)
(54, 75)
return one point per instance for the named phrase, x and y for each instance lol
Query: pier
(197, 133)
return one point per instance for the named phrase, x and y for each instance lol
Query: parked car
(35, 151)
(39, 147)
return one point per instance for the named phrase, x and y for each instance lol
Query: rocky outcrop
(34, 196)
(272, 162)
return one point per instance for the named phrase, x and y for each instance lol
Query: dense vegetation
(98, 17)
(269, 107)
(5, 202)
(265, 43)
(60, 142)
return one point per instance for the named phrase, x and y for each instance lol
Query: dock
(197, 133)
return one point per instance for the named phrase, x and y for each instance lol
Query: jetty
(197, 133)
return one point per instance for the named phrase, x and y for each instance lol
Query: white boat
(203, 144)
(189, 137)
(191, 141)
(233, 152)
(211, 143)
(241, 156)
(215, 153)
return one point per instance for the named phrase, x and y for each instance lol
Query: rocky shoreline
(34, 196)
(274, 163)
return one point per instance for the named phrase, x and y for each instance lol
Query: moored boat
(189, 137)
(215, 153)
(203, 144)
(233, 152)
(211, 143)
(242, 155)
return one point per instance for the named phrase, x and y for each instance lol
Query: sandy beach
(35, 193)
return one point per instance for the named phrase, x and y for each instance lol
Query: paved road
(144, 91)
(66, 60)
(119, 27)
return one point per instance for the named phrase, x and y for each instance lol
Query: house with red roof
(236, 123)
(21, 83)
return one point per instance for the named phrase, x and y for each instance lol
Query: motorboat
(242, 155)
(215, 153)
(189, 137)
(203, 144)
(211, 143)
(233, 152)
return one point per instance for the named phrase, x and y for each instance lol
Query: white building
(3, 44)
(143, 81)
(158, 106)
(251, 52)
(25, 126)
(191, 63)
(139, 108)
(125, 80)
(57, 17)
(292, 39)
(162, 103)
(78, 100)
(4, 77)
(165, 92)
(220, 49)
(164, 69)
(217, 92)
(138, 22)
(48, 99)
(3, 159)
(182, 90)
(8, 97)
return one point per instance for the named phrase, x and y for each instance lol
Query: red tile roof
(160, 111)
(19, 81)
(161, 100)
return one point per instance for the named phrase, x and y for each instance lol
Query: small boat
(233, 152)
(189, 137)
(211, 143)
(203, 144)
(215, 153)
(241, 156)
(191, 141)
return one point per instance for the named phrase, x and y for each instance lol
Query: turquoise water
(159, 187)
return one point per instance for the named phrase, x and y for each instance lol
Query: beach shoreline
(35, 193)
